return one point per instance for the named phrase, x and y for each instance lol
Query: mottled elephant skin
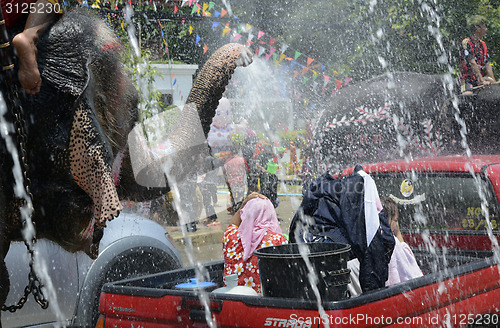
(76, 139)
(403, 114)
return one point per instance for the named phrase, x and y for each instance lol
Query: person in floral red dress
(253, 226)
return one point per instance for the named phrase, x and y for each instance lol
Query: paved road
(205, 245)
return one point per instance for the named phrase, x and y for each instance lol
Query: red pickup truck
(449, 215)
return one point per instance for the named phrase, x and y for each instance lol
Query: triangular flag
(327, 78)
(305, 80)
(295, 74)
(272, 50)
(205, 6)
(226, 29)
(197, 38)
(271, 41)
(215, 25)
(216, 13)
(297, 55)
(275, 56)
(315, 75)
(205, 48)
(268, 56)
(283, 48)
(347, 80)
(260, 34)
(335, 72)
(309, 61)
(339, 84)
(237, 37)
(175, 9)
(248, 27)
(175, 81)
(282, 56)
(248, 43)
(223, 12)
(190, 29)
(194, 10)
(211, 5)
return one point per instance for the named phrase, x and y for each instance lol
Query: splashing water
(26, 211)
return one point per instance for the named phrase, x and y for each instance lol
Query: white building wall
(183, 78)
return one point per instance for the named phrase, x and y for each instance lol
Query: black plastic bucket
(284, 273)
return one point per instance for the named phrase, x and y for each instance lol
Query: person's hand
(28, 74)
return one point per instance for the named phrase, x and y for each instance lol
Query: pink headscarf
(257, 217)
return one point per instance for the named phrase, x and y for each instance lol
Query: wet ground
(207, 240)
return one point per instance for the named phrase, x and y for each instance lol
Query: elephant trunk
(213, 79)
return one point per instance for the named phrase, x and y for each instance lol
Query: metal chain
(34, 284)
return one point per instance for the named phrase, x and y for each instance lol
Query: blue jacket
(332, 210)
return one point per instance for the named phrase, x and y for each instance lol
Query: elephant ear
(66, 51)
(213, 79)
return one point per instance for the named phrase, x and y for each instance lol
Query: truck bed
(464, 291)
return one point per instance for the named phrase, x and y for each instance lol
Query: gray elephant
(76, 131)
(403, 114)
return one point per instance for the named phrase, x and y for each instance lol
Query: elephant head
(78, 128)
